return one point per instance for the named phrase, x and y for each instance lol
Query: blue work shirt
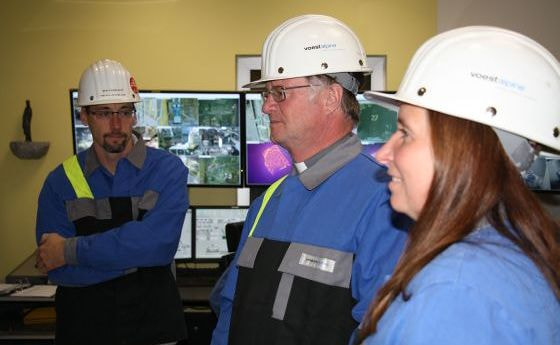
(482, 290)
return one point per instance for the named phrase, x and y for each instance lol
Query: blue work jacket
(154, 178)
(341, 202)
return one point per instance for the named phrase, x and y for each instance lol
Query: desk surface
(15, 299)
(189, 294)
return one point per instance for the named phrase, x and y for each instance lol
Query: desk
(198, 316)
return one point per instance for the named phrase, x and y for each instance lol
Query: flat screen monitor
(210, 230)
(543, 175)
(201, 128)
(378, 121)
(184, 250)
(266, 162)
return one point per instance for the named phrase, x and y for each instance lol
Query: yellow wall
(167, 44)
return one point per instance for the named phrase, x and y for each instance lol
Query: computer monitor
(201, 128)
(378, 121)
(543, 175)
(184, 250)
(210, 230)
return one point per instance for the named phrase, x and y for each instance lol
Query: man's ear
(83, 116)
(334, 97)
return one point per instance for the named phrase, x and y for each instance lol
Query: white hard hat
(105, 82)
(311, 45)
(489, 75)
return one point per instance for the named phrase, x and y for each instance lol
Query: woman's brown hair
(474, 180)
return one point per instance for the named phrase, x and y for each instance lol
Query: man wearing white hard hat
(320, 241)
(482, 263)
(108, 223)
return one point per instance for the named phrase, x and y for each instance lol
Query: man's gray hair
(349, 103)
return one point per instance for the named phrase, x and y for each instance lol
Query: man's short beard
(118, 148)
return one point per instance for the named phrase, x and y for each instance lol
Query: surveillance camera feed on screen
(210, 230)
(543, 175)
(200, 128)
(266, 162)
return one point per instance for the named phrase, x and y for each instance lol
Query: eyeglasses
(106, 114)
(278, 93)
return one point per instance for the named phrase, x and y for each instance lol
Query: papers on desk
(9, 288)
(36, 291)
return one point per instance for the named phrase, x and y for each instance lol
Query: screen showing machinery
(201, 128)
(543, 175)
(184, 250)
(210, 229)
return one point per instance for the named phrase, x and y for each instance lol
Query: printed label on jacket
(323, 264)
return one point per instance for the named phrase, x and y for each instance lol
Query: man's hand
(51, 252)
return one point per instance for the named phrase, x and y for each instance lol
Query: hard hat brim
(387, 97)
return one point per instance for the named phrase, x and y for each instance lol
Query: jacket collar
(136, 156)
(326, 162)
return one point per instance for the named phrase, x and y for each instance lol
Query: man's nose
(115, 120)
(268, 105)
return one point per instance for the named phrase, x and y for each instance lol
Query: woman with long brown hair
(482, 263)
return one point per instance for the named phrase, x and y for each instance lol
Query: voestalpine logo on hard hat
(498, 80)
(320, 46)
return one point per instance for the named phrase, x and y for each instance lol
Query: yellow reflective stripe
(266, 197)
(76, 177)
